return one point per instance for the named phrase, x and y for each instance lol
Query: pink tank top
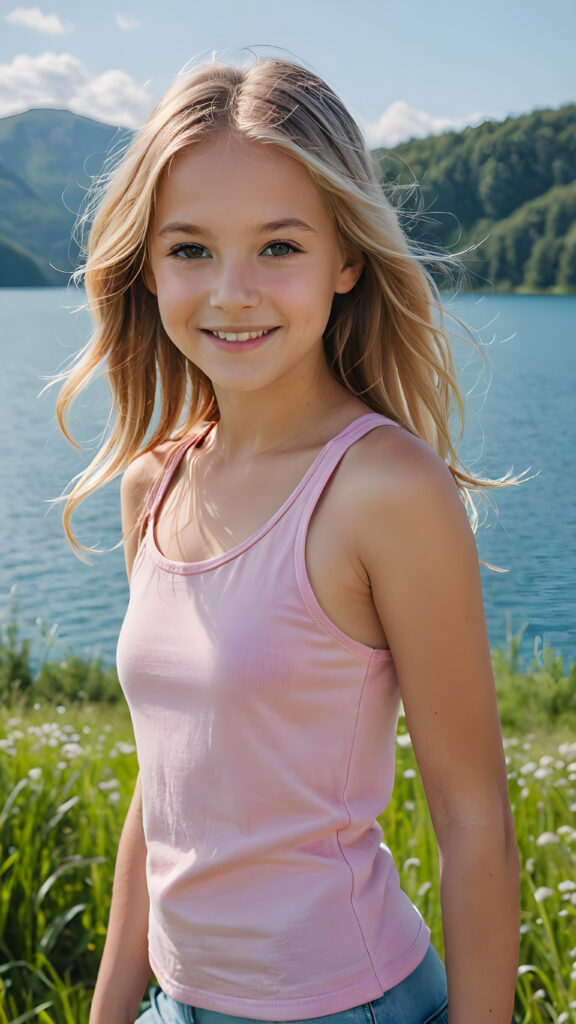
(266, 743)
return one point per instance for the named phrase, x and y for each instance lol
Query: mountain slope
(48, 159)
(18, 268)
(511, 184)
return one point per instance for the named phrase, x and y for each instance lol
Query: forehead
(237, 174)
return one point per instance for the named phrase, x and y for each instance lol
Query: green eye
(188, 251)
(286, 247)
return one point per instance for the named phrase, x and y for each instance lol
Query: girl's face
(241, 244)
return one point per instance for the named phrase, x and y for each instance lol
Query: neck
(254, 422)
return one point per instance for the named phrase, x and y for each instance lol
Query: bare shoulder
(139, 477)
(137, 482)
(391, 470)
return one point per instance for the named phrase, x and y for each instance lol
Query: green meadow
(67, 769)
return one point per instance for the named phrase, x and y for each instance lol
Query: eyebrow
(177, 227)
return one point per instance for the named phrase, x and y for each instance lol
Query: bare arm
(125, 970)
(420, 558)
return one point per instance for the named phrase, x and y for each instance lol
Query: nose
(234, 287)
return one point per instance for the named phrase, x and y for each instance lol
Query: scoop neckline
(189, 568)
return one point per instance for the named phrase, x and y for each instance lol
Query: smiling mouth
(240, 335)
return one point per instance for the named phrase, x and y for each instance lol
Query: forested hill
(512, 182)
(47, 161)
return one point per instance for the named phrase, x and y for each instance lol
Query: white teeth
(245, 336)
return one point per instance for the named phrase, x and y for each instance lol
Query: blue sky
(405, 68)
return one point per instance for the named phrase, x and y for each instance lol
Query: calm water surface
(525, 419)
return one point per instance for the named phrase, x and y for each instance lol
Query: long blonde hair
(385, 340)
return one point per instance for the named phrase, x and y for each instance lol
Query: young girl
(300, 559)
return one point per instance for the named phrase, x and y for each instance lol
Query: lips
(240, 340)
(241, 334)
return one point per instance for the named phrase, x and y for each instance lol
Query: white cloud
(32, 17)
(401, 122)
(126, 22)
(61, 80)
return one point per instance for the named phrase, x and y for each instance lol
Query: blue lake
(521, 412)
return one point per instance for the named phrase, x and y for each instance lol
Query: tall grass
(67, 770)
(66, 779)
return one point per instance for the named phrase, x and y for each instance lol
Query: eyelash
(183, 250)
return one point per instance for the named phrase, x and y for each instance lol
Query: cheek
(307, 290)
(175, 296)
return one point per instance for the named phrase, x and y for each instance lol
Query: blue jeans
(422, 998)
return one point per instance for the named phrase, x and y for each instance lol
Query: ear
(350, 271)
(148, 277)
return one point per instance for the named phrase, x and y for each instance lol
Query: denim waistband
(421, 998)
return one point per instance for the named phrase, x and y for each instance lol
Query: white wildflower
(528, 768)
(567, 886)
(409, 805)
(12, 722)
(109, 784)
(60, 709)
(526, 969)
(37, 707)
(541, 773)
(412, 862)
(546, 838)
(35, 774)
(530, 865)
(546, 760)
(403, 740)
(125, 748)
(409, 773)
(424, 888)
(114, 796)
(543, 893)
(71, 750)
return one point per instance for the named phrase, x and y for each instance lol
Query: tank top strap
(160, 486)
(333, 453)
